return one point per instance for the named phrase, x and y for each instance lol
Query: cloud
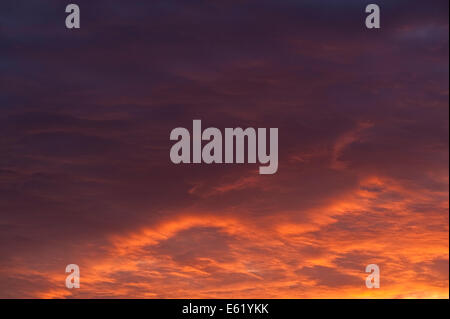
(85, 175)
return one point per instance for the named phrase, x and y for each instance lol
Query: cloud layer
(85, 174)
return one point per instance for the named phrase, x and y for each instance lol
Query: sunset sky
(86, 177)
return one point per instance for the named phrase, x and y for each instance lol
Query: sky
(86, 177)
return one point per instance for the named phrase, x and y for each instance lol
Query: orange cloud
(201, 255)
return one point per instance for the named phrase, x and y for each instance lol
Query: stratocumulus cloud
(86, 178)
